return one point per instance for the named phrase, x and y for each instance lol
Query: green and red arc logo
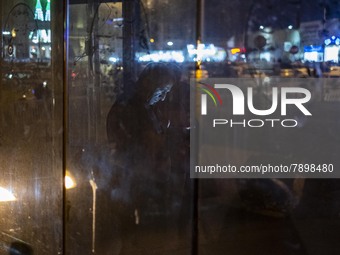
(211, 91)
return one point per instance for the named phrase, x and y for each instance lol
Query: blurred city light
(333, 40)
(161, 56)
(6, 195)
(235, 50)
(70, 183)
(331, 54)
(113, 59)
(14, 33)
(328, 41)
(204, 52)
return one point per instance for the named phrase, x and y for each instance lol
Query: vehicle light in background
(70, 183)
(6, 195)
(235, 50)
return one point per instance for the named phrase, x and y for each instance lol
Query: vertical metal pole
(199, 31)
(324, 19)
(93, 85)
(129, 46)
(198, 74)
(63, 102)
(96, 120)
(2, 56)
(246, 28)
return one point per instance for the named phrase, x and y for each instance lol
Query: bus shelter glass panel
(268, 45)
(128, 127)
(31, 127)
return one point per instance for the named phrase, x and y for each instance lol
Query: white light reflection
(113, 59)
(94, 191)
(6, 195)
(70, 183)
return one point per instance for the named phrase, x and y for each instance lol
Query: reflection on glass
(70, 182)
(31, 127)
(6, 195)
(128, 189)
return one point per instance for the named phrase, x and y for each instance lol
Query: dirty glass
(129, 65)
(31, 127)
(96, 126)
(127, 138)
(268, 43)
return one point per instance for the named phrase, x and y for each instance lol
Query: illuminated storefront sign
(313, 53)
